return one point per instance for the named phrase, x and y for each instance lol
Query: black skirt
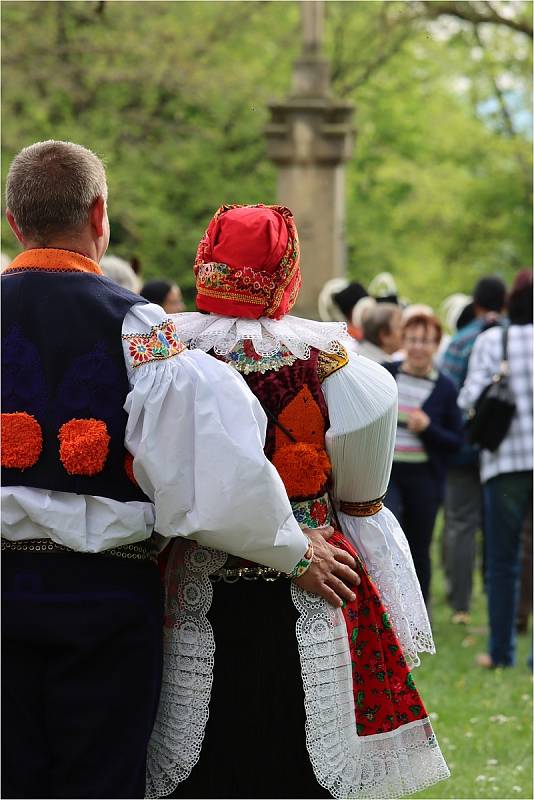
(255, 743)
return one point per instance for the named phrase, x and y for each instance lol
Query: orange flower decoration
(83, 446)
(303, 419)
(304, 469)
(128, 468)
(22, 440)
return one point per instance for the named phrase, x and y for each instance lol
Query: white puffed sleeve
(196, 433)
(362, 408)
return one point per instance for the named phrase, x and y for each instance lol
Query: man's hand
(331, 572)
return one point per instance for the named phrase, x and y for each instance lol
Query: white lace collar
(211, 331)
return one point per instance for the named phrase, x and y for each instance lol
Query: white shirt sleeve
(483, 364)
(196, 433)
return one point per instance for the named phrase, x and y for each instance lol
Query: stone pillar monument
(309, 138)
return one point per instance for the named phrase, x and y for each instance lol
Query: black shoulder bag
(494, 410)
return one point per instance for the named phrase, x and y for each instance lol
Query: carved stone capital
(310, 131)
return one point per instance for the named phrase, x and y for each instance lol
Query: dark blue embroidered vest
(62, 360)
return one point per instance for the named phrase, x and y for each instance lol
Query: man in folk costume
(111, 428)
(332, 711)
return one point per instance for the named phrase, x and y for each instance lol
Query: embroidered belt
(247, 573)
(140, 551)
(366, 509)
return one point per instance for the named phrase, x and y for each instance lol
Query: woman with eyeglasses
(429, 429)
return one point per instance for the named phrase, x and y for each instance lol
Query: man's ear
(97, 215)
(14, 227)
(383, 331)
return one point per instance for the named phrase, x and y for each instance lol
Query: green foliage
(174, 96)
(438, 192)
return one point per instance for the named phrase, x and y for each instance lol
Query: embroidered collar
(268, 336)
(51, 259)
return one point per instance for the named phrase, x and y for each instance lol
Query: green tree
(174, 97)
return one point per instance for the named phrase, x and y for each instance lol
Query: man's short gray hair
(51, 187)
(378, 320)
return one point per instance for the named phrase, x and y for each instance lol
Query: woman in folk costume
(332, 710)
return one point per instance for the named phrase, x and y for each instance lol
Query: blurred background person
(506, 473)
(336, 302)
(408, 311)
(359, 313)
(466, 316)
(429, 429)
(338, 298)
(489, 297)
(463, 497)
(383, 288)
(451, 309)
(164, 294)
(121, 272)
(382, 325)
(414, 309)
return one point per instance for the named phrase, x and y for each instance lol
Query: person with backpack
(506, 472)
(463, 494)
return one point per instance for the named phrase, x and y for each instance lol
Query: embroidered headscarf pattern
(264, 279)
(162, 342)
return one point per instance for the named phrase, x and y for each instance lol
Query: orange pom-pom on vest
(83, 446)
(128, 468)
(304, 469)
(22, 440)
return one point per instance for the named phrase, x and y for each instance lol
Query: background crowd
(442, 362)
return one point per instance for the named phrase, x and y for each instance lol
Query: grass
(482, 718)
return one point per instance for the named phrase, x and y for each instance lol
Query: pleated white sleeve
(362, 407)
(196, 433)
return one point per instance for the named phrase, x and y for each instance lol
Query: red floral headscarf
(247, 262)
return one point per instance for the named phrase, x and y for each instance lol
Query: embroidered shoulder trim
(162, 342)
(328, 363)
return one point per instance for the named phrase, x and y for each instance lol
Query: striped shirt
(515, 452)
(414, 391)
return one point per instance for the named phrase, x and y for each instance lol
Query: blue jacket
(445, 434)
(454, 365)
